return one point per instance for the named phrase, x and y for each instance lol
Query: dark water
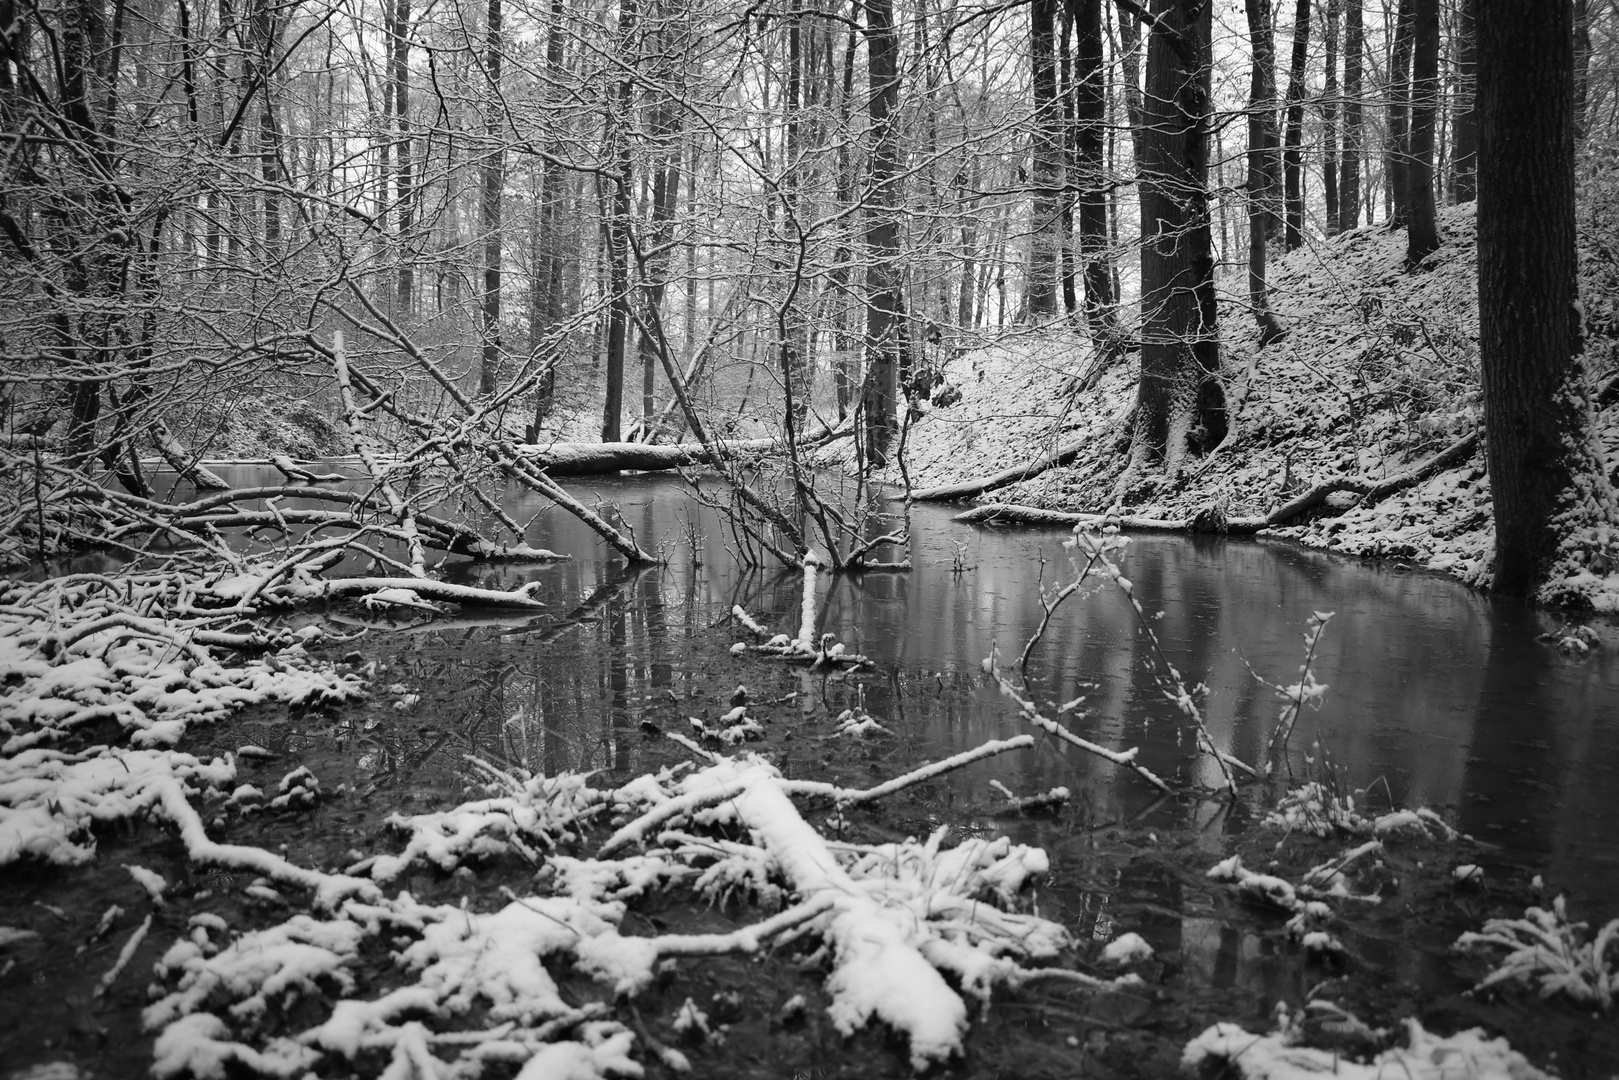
(1438, 696)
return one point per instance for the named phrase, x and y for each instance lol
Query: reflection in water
(1437, 695)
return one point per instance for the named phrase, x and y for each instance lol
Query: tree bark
(1349, 163)
(404, 191)
(1262, 164)
(1552, 502)
(1422, 236)
(494, 181)
(1399, 118)
(618, 227)
(1464, 130)
(1090, 121)
(1329, 118)
(1046, 155)
(1293, 151)
(1180, 404)
(885, 303)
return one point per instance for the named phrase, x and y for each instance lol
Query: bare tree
(1349, 164)
(1422, 237)
(1047, 151)
(1090, 119)
(1464, 114)
(1180, 403)
(885, 302)
(1293, 140)
(1552, 502)
(1262, 162)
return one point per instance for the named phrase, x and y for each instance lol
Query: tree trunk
(399, 26)
(1130, 49)
(1293, 153)
(1261, 165)
(1070, 163)
(553, 255)
(1552, 502)
(1399, 144)
(1464, 131)
(618, 227)
(1329, 118)
(1090, 122)
(1349, 163)
(1180, 404)
(885, 303)
(1582, 65)
(494, 181)
(1422, 238)
(1046, 154)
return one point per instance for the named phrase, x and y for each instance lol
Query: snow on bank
(1379, 371)
(1228, 1050)
(895, 919)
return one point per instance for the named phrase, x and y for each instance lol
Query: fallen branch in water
(1030, 713)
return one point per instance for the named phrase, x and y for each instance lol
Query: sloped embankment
(1378, 372)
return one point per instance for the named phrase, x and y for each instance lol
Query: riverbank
(1377, 375)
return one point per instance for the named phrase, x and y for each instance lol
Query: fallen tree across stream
(596, 458)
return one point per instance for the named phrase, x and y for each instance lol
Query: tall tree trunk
(618, 227)
(793, 328)
(1293, 152)
(1349, 163)
(1070, 163)
(1552, 503)
(1046, 155)
(404, 190)
(1329, 118)
(489, 216)
(885, 303)
(1261, 165)
(1422, 237)
(265, 27)
(1130, 57)
(554, 253)
(1180, 404)
(1582, 64)
(1090, 124)
(1464, 132)
(843, 367)
(1397, 156)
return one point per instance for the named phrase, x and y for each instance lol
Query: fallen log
(1207, 520)
(967, 489)
(591, 459)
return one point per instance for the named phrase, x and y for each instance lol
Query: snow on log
(590, 459)
(423, 587)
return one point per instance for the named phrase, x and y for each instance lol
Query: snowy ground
(1378, 373)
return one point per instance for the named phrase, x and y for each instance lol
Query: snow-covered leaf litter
(1379, 372)
(895, 920)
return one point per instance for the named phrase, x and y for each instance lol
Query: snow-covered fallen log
(594, 459)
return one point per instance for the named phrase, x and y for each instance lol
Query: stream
(1437, 696)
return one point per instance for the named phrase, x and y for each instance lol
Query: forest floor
(1378, 372)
